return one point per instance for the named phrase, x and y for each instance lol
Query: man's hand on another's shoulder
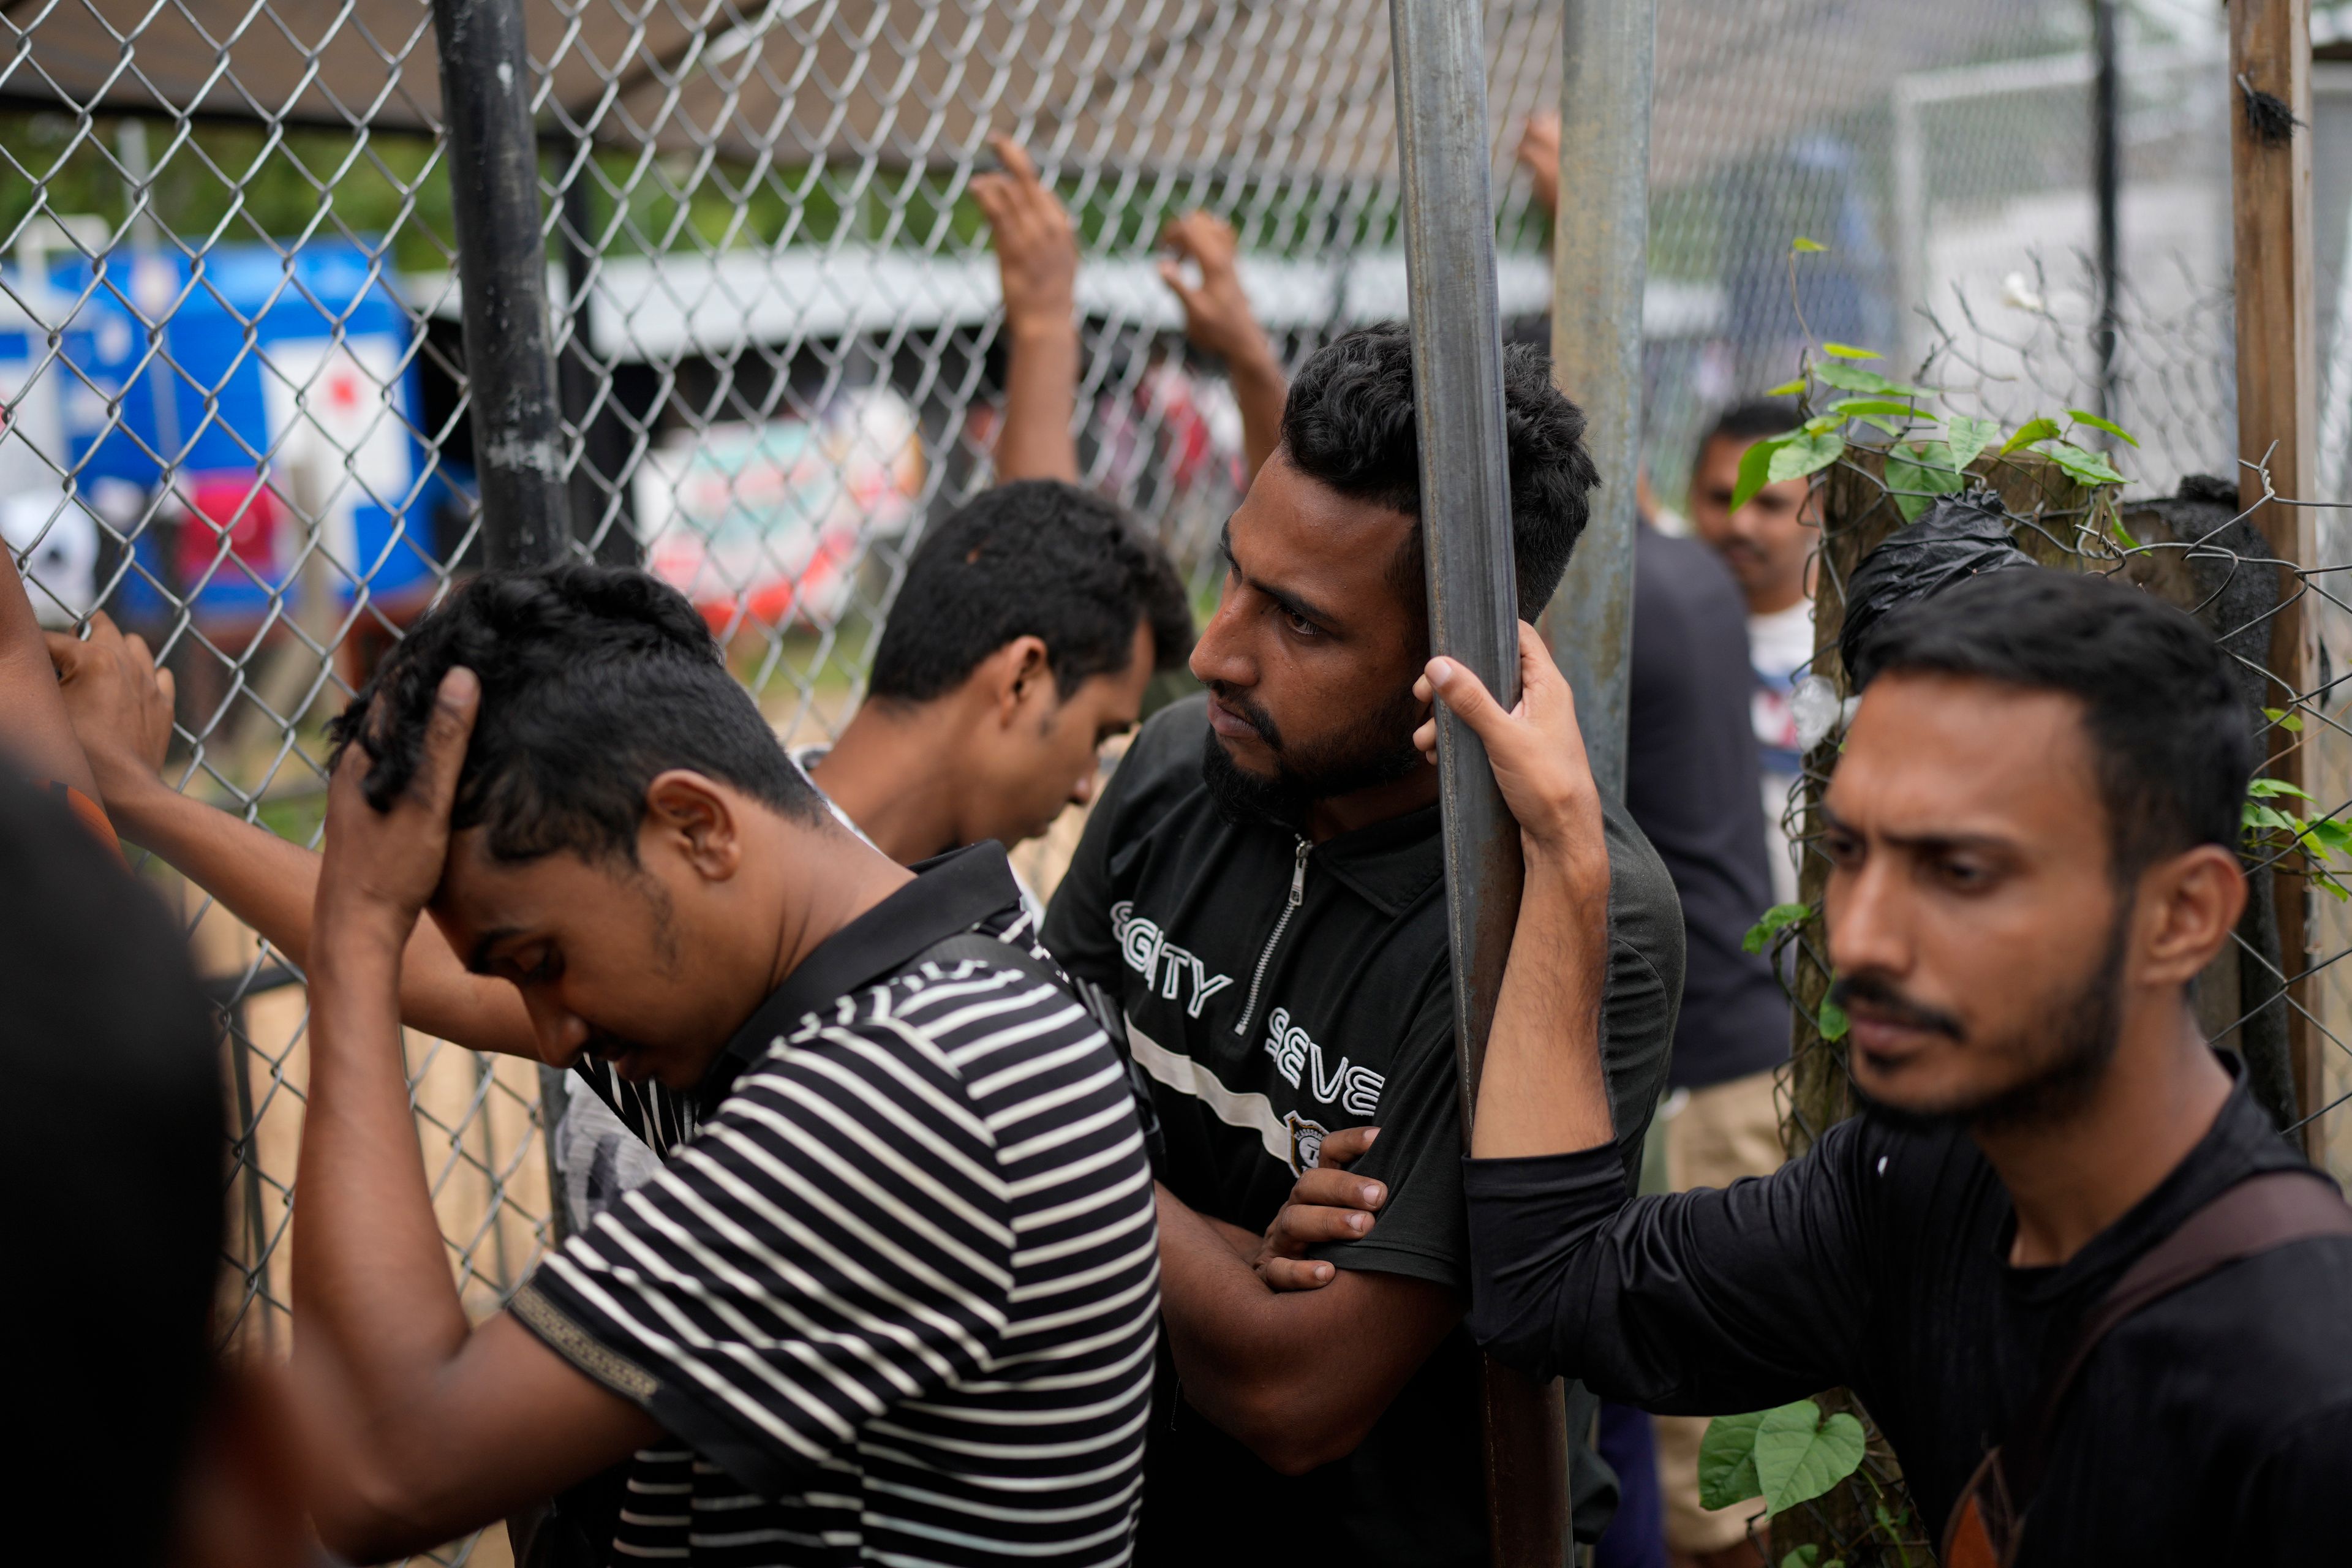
(120, 705)
(1329, 1204)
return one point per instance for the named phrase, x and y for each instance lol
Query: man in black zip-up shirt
(1261, 888)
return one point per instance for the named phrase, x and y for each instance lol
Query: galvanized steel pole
(2106, 185)
(1600, 261)
(486, 85)
(1465, 505)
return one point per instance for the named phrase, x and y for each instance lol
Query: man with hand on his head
(1768, 544)
(2033, 832)
(899, 1266)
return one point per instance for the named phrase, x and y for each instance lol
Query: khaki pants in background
(1714, 1136)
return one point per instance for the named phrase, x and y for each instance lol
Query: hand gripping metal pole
(486, 87)
(1457, 358)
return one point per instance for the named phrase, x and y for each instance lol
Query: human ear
(695, 819)
(2189, 904)
(1020, 670)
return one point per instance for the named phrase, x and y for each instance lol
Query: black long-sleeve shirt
(2214, 1426)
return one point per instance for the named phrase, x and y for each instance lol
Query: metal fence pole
(511, 383)
(1599, 260)
(1440, 62)
(2106, 185)
(486, 81)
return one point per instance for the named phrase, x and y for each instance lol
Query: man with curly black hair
(1262, 889)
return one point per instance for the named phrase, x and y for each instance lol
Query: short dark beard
(1375, 750)
(2088, 1029)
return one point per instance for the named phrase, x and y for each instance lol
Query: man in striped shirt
(892, 1298)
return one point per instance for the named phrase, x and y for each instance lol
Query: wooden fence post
(2270, 177)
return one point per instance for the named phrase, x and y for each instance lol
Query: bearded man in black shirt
(1261, 888)
(2033, 832)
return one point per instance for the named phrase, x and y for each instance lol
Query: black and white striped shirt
(896, 1294)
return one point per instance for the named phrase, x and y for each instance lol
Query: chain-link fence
(236, 403)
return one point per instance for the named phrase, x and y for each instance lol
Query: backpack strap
(2259, 1214)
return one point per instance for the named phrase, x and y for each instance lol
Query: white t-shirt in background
(1779, 645)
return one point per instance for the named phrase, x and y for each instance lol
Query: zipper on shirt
(1298, 897)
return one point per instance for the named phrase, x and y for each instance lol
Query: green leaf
(1801, 245)
(1777, 916)
(1855, 407)
(1727, 1461)
(1806, 1556)
(1969, 437)
(2325, 837)
(1787, 388)
(2085, 417)
(1847, 351)
(1804, 453)
(2091, 468)
(2260, 819)
(2271, 789)
(2125, 535)
(1820, 425)
(1832, 1020)
(1800, 1455)
(2033, 430)
(1755, 464)
(2285, 720)
(1853, 378)
(1918, 477)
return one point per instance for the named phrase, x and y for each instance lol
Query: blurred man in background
(1768, 544)
(1020, 643)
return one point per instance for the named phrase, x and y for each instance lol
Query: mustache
(1883, 999)
(1257, 717)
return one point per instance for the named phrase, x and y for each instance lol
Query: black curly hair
(1035, 558)
(596, 681)
(1350, 424)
